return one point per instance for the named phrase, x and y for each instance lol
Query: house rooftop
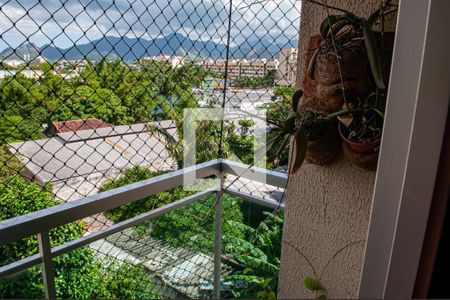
(96, 151)
(78, 125)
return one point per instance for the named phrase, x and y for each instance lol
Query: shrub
(259, 257)
(10, 165)
(141, 206)
(78, 274)
(193, 226)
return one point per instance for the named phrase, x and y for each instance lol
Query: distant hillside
(129, 49)
(31, 49)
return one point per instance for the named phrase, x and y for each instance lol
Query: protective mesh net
(92, 96)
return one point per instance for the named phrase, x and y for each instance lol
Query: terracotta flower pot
(364, 148)
(362, 155)
(366, 161)
(325, 149)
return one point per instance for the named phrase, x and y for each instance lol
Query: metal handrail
(41, 222)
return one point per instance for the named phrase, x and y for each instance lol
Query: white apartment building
(37, 61)
(173, 60)
(13, 62)
(243, 67)
(287, 70)
(30, 74)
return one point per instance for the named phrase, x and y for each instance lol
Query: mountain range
(130, 49)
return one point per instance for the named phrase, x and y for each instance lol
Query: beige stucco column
(327, 207)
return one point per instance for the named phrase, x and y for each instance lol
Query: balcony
(98, 202)
(177, 271)
(112, 186)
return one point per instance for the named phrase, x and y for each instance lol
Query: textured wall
(326, 218)
(327, 207)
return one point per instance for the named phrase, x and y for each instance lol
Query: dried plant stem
(333, 41)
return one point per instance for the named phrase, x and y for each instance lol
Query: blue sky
(68, 22)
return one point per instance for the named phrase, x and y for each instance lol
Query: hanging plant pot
(324, 149)
(322, 81)
(366, 161)
(368, 147)
(363, 155)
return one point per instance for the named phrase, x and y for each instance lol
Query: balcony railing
(41, 222)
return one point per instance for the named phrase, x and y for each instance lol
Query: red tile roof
(78, 125)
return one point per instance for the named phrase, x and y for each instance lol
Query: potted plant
(344, 60)
(360, 128)
(309, 132)
(344, 67)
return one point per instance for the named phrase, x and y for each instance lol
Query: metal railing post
(218, 240)
(47, 265)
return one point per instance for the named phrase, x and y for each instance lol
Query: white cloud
(66, 22)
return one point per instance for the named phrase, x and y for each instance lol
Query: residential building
(31, 74)
(238, 68)
(77, 125)
(173, 60)
(78, 160)
(287, 70)
(14, 62)
(37, 61)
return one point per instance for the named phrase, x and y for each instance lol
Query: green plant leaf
(289, 124)
(325, 25)
(329, 22)
(312, 64)
(238, 245)
(300, 143)
(242, 227)
(312, 284)
(257, 264)
(274, 146)
(377, 111)
(338, 26)
(247, 278)
(296, 99)
(373, 55)
(283, 146)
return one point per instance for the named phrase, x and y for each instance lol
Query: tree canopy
(78, 274)
(110, 91)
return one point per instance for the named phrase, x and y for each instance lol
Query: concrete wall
(327, 207)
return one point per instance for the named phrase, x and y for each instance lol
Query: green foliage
(15, 128)
(243, 144)
(141, 206)
(277, 111)
(314, 285)
(265, 81)
(207, 146)
(258, 253)
(17, 198)
(109, 91)
(122, 281)
(10, 165)
(193, 226)
(78, 274)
